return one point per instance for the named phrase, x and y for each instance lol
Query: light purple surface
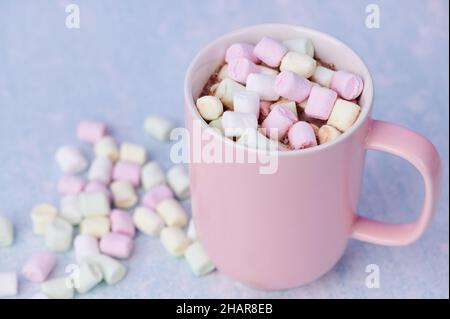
(128, 60)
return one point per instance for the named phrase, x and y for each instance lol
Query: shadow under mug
(282, 230)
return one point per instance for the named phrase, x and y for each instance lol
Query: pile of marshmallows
(278, 77)
(98, 207)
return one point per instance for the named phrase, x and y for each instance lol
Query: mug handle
(419, 151)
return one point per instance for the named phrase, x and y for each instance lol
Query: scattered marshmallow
(246, 102)
(320, 103)
(133, 153)
(241, 50)
(323, 76)
(264, 85)
(156, 195)
(292, 86)
(89, 275)
(8, 284)
(6, 232)
(302, 64)
(158, 127)
(91, 131)
(226, 90)
(39, 295)
(107, 147)
(172, 213)
(116, 245)
(210, 107)
(235, 123)
(198, 260)
(123, 193)
(112, 270)
(69, 209)
(147, 221)
(300, 45)
(95, 226)
(93, 204)
(301, 135)
(327, 133)
(191, 231)
(348, 85)
(71, 160)
(41, 216)
(270, 51)
(152, 175)
(85, 246)
(174, 241)
(59, 235)
(127, 171)
(101, 170)
(60, 288)
(97, 186)
(178, 179)
(278, 122)
(38, 266)
(122, 223)
(70, 184)
(344, 114)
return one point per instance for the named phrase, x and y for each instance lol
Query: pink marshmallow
(269, 51)
(264, 110)
(91, 131)
(320, 103)
(70, 184)
(38, 266)
(97, 186)
(292, 86)
(239, 69)
(241, 50)
(156, 195)
(122, 223)
(116, 245)
(127, 171)
(301, 135)
(278, 122)
(348, 85)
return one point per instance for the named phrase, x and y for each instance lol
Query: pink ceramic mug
(289, 228)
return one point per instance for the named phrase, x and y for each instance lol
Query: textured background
(128, 60)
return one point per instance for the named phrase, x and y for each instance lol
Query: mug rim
(363, 116)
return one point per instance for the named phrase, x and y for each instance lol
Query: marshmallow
(112, 270)
(292, 86)
(235, 123)
(70, 184)
(39, 295)
(315, 129)
(89, 275)
(270, 51)
(344, 114)
(85, 246)
(60, 288)
(323, 76)
(152, 175)
(41, 216)
(301, 135)
(191, 231)
(320, 103)
(107, 147)
(133, 153)
(172, 213)
(264, 110)
(239, 69)
(8, 284)
(246, 102)
(147, 221)
(69, 209)
(95, 226)
(101, 170)
(291, 105)
(327, 133)
(93, 204)
(210, 107)
(252, 138)
(158, 127)
(300, 45)
(264, 85)
(223, 73)
(122, 223)
(127, 171)
(116, 245)
(198, 260)
(241, 50)
(178, 180)
(217, 125)
(348, 85)
(97, 186)
(58, 235)
(70, 160)
(226, 90)
(266, 70)
(278, 122)
(38, 267)
(91, 131)
(6, 232)
(156, 195)
(123, 193)
(174, 241)
(301, 64)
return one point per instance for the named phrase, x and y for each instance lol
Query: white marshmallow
(217, 124)
(323, 76)
(88, 276)
(158, 127)
(69, 209)
(246, 102)
(123, 193)
(152, 175)
(226, 90)
(174, 241)
(107, 147)
(254, 139)
(301, 64)
(60, 288)
(95, 226)
(172, 213)
(8, 284)
(235, 123)
(178, 180)
(112, 270)
(198, 260)
(210, 107)
(6, 232)
(70, 159)
(85, 246)
(133, 153)
(93, 204)
(300, 45)
(223, 72)
(291, 105)
(267, 70)
(58, 235)
(101, 170)
(41, 216)
(327, 133)
(344, 114)
(39, 295)
(191, 231)
(147, 221)
(264, 85)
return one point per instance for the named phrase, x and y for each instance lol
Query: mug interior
(327, 48)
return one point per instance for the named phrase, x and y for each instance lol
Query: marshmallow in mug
(147, 221)
(225, 92)
(302, 64)
(91, 131)
(344, 114)
(6, 232)
(323, 76)
(70, 159)
(246, 102)
(152, 175)
(270, 51)
(59, 235)
(278, 122)
(300, 45)
(133, 153)
(235, 123)
(320, 103)
(124, 195)
(69, 209)
(158, 127)
(210, 107)
(174, 241)
(241, 50)
(301, 135)
(101, 170)
(348, 85)
(38, 266)
(291, 105)
(107, 147)
(264, 85)
(8, 284)
(41, 216)
(178, 179)
(327, 133)
(252, 138)
(292, 86)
